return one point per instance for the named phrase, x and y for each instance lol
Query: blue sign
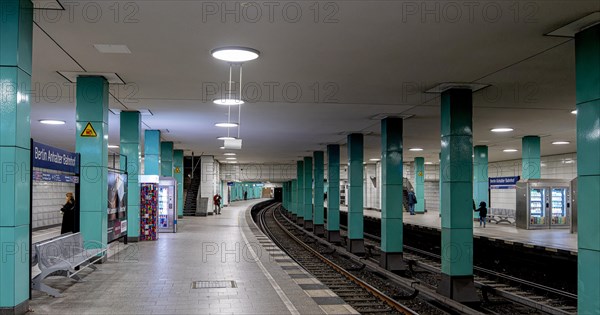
(49, 177)
(45, 156)
(504, 182)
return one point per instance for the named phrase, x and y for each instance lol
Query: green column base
(356, 246)
(392, 261)
(334, 237)
(20, 309)
(308, 225)
(458, 288)
(319, 230)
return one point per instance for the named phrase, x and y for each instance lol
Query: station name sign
(504, 182)
(45, 156)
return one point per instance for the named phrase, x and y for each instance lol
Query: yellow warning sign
(89, 131)
(420, 173)
(177, 170)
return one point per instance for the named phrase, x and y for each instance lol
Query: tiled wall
(370, 187)
(47, 200)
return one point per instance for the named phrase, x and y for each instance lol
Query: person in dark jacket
(482, 213)
(412, 200)
(68, 212)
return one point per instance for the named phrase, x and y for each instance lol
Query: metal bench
(61, 256)
(500, 215)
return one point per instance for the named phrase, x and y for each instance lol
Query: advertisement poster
(117, 205)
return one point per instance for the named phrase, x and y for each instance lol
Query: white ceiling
(376, 58)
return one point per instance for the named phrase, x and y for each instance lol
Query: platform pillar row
(130, 133)
(308, 193)
(300, 192)
(391, 198)
(531, 157)
(319, 191)
(587, 56)
(333, 193)
(420, 184)
(16, 39)
(480, 176)
(293, 204)
(355, 206)
(457, 191)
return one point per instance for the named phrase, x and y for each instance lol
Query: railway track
(535, 296)
(363, 297)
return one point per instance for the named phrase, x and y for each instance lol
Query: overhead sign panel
(45, 156)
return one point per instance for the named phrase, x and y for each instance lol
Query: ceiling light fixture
(501, 129)
(52, 122)
(226, 138)
(561, 142)
(428, 163)
(510, 150)
(228, 102)
(222, 148)
(235, 53)
(110, 146)
(229, 153)
(226, 124)
(415, 149)
(231, 158)
(374, 160)
(574, 112)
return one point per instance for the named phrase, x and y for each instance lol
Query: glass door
(537, 207)
(558, 205)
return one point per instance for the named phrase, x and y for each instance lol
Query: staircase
(189, 207)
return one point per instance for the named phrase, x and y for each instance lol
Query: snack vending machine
(148, 207)
(543, 204)
(167, 205)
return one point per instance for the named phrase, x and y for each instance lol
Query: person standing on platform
(412, 200)
(245, 195)
(482, 213)
(68, 213)
(217, 203)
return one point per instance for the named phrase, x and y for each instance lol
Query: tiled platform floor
(156, 277)
(554, 238)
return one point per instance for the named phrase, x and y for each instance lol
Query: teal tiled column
(333, 193)
(308, 193)
(152, 152)
(587, 56)
(166, 159)
(16, 24)
(457, 193)
(178, 174)
(480, 176)
(319, 218)
(92, 107)
(531, 157)
(440, 182)
(420, 184)
(130, 132)
(391, 194)
(356, 242)
(300, 192)
(294, 201)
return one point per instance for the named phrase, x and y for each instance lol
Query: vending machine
(167, 205)
(543, 204)
(148, 207)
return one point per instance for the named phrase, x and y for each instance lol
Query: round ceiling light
(415, 149)
(561, 142)
(228, 102)
(229, 153)
(227, 124)
(235, 54)
(52, 122)
(574, 112)
(510, 150)
(501, 129)
(226, 138)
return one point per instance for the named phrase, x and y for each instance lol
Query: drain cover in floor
(217, 284)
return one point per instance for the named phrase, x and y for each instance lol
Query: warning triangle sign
(89, 131)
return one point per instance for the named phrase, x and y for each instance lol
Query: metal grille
(217, 284)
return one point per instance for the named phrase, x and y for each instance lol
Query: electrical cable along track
(363, 297)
